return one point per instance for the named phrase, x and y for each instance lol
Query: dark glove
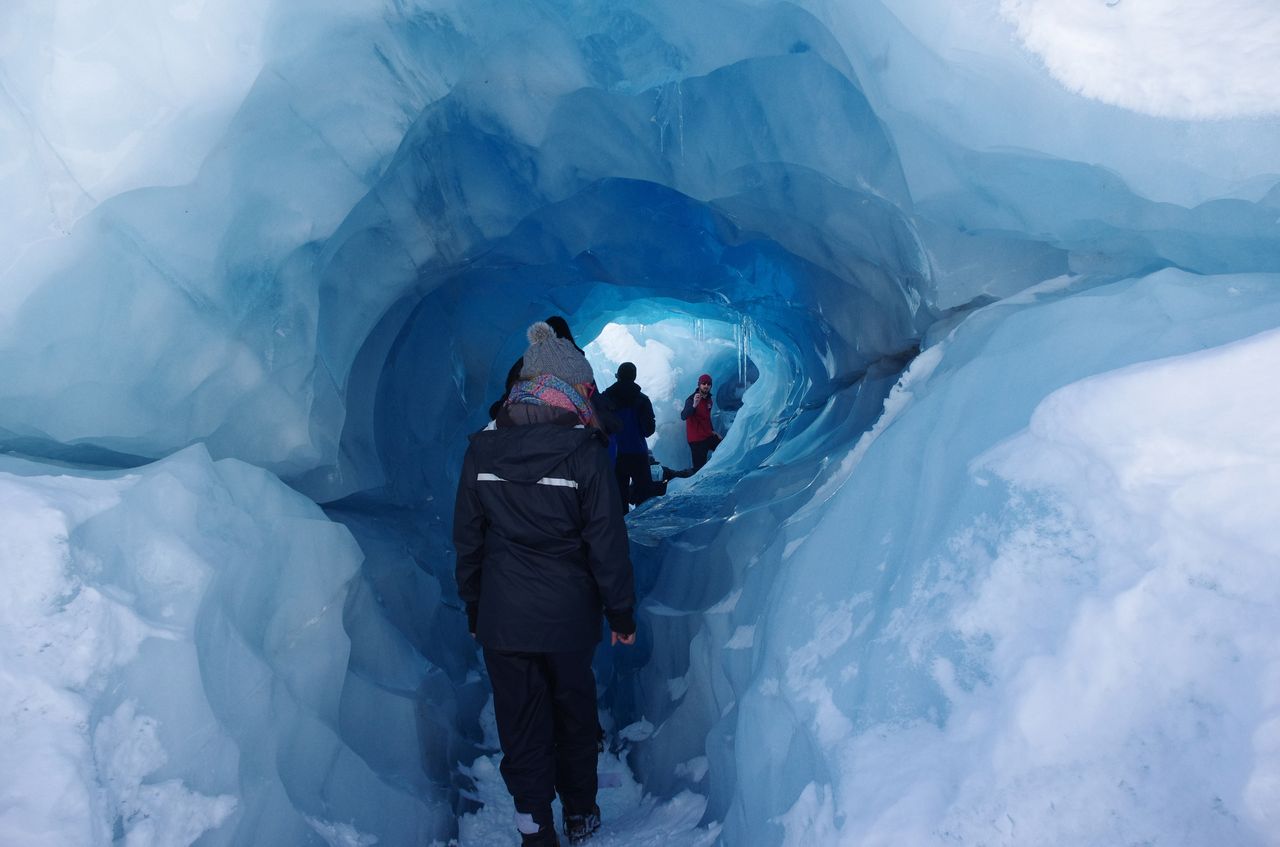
(623, 623)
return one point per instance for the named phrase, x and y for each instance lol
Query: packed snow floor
(628, 817)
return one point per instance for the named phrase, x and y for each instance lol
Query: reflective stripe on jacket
(541, 544)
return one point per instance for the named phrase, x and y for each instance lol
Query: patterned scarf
(550, 390)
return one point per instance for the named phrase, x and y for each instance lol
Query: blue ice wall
(306, 262)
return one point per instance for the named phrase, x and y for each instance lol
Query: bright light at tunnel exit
(669, 355)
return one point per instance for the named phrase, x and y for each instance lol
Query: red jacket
(697, 419)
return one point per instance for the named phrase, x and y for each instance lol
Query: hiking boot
(578, 828)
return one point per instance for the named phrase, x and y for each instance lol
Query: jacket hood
(528, 453)
(623, 393)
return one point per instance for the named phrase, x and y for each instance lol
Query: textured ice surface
(258, 256)
(174, 654)
(1045, 623)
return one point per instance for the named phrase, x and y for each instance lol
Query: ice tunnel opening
(402, 714)
(625, 252)
(641, 273)
(669, 354)
(272, 248)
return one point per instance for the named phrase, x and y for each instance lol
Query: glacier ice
(179, 632)
(1045, 628)
(986, 555)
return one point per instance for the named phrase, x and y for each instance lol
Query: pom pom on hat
(540, 331)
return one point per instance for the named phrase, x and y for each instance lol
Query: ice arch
(620, 251)
(304, 272)
(265, 302)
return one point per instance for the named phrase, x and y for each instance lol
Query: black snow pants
(632, 469)
(545, 707)
(701, 449)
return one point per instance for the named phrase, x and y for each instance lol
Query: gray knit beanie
(548, 354)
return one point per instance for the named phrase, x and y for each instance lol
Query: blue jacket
(635, 413)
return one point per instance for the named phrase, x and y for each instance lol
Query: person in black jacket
(634, 412)
(542, 554)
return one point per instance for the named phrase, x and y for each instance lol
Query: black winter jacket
(542, 547)
(623, 395)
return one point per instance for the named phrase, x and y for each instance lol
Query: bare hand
(615, 638)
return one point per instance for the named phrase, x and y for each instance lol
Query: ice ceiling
(258, 256)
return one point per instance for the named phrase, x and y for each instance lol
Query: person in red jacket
(697, 422)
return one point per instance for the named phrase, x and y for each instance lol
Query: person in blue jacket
(634, 412)
(542, 560)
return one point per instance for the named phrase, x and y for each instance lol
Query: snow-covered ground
(1037, 602)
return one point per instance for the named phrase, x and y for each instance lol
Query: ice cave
(990, 554)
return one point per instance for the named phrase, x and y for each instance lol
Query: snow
(1093, 629)
(1175, 58)
(628, 817)
(128, 592)
(988, 553)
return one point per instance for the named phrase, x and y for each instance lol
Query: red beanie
(705, 378)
